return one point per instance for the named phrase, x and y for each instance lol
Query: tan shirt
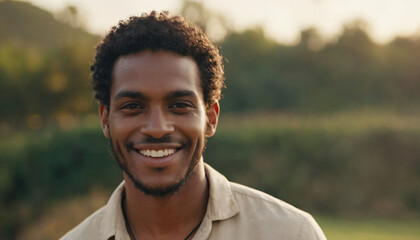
(233, 212)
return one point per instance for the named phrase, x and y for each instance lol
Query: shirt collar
(221, 205)
(113, 223)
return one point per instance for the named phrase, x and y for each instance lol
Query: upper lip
(156, 146)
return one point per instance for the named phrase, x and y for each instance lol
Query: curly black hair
(158, 31)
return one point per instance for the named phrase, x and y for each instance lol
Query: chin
(159, 190)
(156, 186)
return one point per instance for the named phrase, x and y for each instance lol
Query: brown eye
(132, 106)
(180, 105)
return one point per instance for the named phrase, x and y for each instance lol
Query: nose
(157, 124)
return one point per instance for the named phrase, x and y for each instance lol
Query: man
(158, 80)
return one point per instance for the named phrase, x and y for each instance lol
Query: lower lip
(157, 162)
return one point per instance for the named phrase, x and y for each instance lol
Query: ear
(212, 118)
(104, 114)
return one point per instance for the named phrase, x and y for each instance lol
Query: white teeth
(158, 153)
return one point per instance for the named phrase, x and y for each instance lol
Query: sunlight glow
(282, 20)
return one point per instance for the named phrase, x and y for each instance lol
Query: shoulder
(247, 195)
(268, 211)
(88, 229)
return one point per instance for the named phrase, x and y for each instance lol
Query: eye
(181, 107)
(132, 106)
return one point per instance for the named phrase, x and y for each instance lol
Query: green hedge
(40, 168)
(373, 172)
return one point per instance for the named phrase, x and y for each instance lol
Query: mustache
(150, 140)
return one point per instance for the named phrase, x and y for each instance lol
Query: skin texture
(157, 103)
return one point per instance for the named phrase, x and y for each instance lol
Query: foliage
(51, 86)
(348, 73)
(40, 168)
(44, 69)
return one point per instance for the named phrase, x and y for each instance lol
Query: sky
(282, 20)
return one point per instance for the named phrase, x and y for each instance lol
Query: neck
(169, 216)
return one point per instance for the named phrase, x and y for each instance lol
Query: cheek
(194, 126)
(121, 127)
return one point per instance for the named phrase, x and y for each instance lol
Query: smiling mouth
(157, 153)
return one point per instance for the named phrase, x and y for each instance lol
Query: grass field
(369, 229)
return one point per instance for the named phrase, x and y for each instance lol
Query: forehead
(155, 73)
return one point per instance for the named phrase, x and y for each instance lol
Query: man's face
(157, 121)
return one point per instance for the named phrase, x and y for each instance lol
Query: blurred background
(321, 109)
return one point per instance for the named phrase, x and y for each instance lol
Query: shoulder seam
(256, 197)
(299, 232)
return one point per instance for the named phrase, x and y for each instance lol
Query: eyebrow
(130, 94)
(180, 93)
(140, 95)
